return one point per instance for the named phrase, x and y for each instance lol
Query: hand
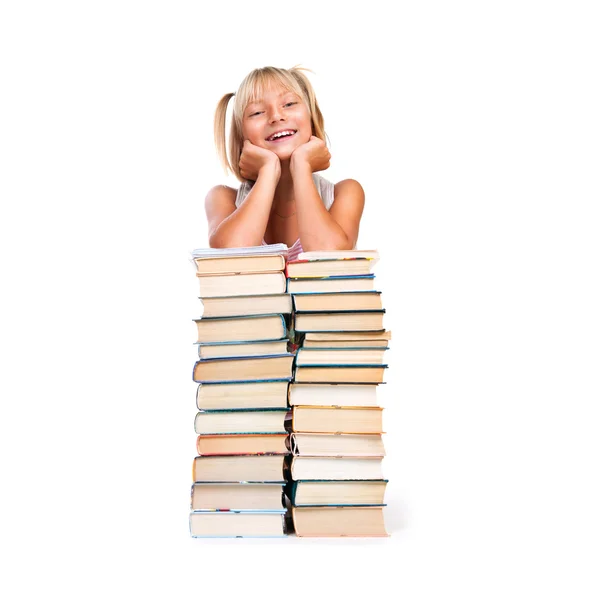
(253, 159)
(314, 153)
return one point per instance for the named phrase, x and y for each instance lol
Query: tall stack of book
(337, 486)
(243, 373)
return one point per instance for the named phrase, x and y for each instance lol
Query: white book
(243, 251)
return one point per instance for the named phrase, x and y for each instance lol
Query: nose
(275, 115)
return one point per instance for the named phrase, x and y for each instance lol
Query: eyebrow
(260, 100)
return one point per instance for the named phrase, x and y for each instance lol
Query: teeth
(280, 134)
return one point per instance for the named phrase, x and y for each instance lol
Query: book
(336, 493)
(243, 368)
(237, 496)
(339, 321)
(239, 329)
(260, 468)
(241, 285)
(313, 285)
(208, 445)
(348, 336)
(228, 349)
(338, 255)
(344, 301)
(346, 444)
(241, 421)
(241, 251)
(346, 344)
(252, 394)
(332, 394)
(339, 356)
(335, 468)
(340, 374)
(340, 521)
(336, 419)
(236, 306)
(237, 524)
(329, 268)
(262, 263)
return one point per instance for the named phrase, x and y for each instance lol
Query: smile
(280, 135)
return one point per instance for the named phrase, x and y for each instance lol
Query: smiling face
(278, 121)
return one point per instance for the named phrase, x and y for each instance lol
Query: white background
(468, 125)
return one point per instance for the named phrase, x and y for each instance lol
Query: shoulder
(349, 190)
(220, 202)
(220, 193)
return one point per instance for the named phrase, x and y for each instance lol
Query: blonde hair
(252, 88)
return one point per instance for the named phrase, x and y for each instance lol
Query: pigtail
(219, 131)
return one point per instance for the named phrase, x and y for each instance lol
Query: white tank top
(325, 190)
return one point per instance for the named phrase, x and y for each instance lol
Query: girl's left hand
(314, 153)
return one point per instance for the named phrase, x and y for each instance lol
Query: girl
(277, 144)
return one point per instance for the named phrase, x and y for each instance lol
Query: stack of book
(243, 373)
(337, 486)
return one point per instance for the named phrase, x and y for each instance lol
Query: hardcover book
(339, 356)
(329, 267)
(336, 419)
(237, 496)
(346, 444)
(241, 421)
(239, 329)
(243, 368)
(227, 349)
(332, 394)
(208, 445)
(336, 493)
(237, 524)
(340, 374)
(335, 468)
(356, 283)
(261, 468)
(340, 321)
(236, 306)
(342, 521)
(241, 285)
(345, 301)
(262, 263)
(251, 394)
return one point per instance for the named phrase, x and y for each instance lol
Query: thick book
(241, 285)
(340, 321)
(346, 344)
(236, 306)
(228, 349)
(332, 394)
(241, 421)
(241, 329)
(237, 496)
(251, 394)
(340, 374)
(336, 493)
(218, 265)
(345, 301)
(339, 521)
(243, 368)
(237, 524)
(346, 444)
(340, 356)
(208, 445)
(332, 467)
(329, 267)
(337, 419)
(261, 468)
(357, 283)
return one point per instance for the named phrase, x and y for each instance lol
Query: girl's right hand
(255, 159)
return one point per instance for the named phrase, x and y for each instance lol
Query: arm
(319, 228)
(243, 226)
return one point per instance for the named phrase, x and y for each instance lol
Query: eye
(290, 103)
(254, 114)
